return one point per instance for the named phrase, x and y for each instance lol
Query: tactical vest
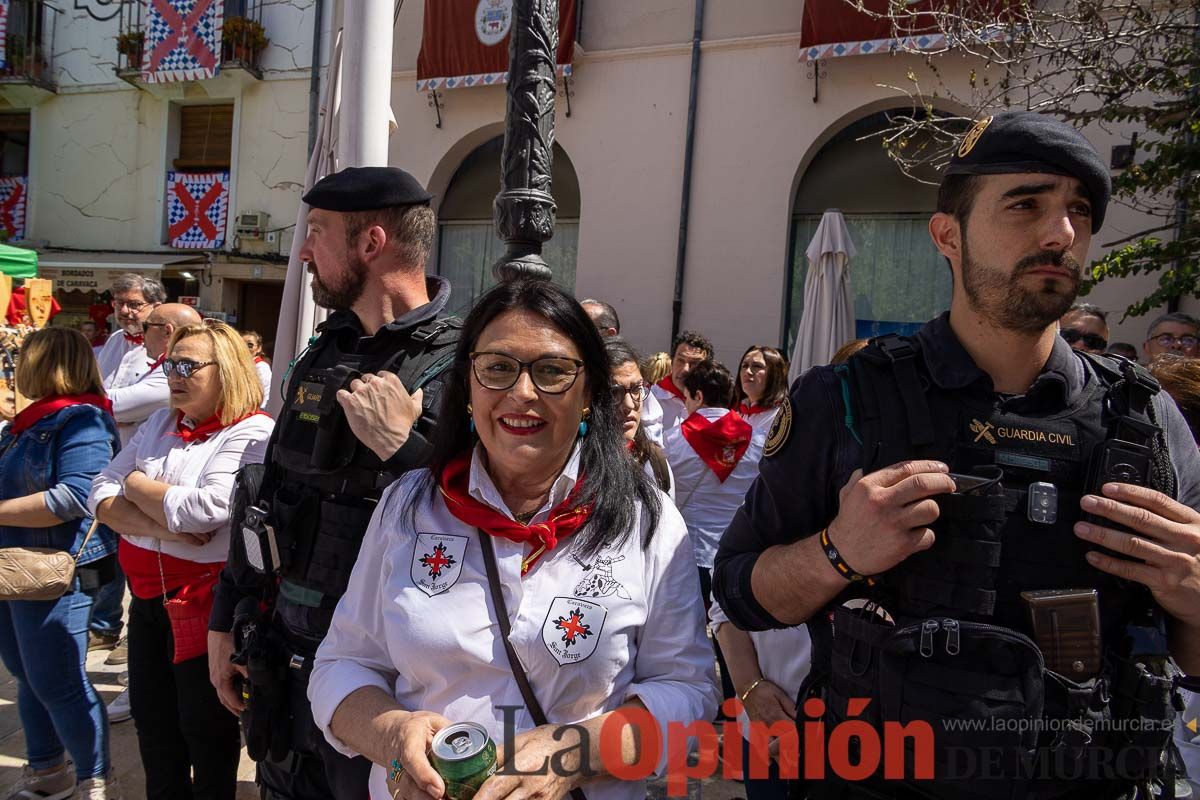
(945, 637)
(322, 482)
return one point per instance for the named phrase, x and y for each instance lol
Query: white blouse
(417, 622)
(201, 475)
(263, 369)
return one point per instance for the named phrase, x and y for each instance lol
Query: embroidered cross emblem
(196, 211)
(573, 626)
(181, 33)
(437, 561)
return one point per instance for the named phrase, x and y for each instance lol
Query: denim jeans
(43, 643)
(110, 604)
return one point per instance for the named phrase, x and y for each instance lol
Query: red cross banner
(13, 193)
(183, 40)
(3, 33)
(465, 42)
(197, 205)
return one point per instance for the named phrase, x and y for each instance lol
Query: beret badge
(972, 138)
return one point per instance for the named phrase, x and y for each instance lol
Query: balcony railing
(243, 37)
(29, 44)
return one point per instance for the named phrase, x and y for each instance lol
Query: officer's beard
(1005, 301)
(345, 294)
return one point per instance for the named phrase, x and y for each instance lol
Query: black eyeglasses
(636, 392)
(1091, 340)
(1167, 340)
(133, 305)
(184, 368)
(498, 371)
(146, 326)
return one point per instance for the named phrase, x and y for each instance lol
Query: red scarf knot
(202, 430)
(721, 443)
(56, 402)
(565, 518)
(753, 408)
(134, 338)
(156, 364)
(668, 385)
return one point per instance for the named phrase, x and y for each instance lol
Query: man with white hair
(134, 297)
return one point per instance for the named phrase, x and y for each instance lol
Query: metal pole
(366, 84)
(524, 209)
(689, 149)
(314, 77)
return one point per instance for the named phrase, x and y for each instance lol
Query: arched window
(467, 241)
(899, 279)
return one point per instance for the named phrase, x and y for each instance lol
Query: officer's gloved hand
(380, 411)
(883, 517)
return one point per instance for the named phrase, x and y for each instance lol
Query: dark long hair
(613, 480)
(620, 352)
(777, 382)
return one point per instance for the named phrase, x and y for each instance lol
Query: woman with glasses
(168, 495)
(761, 385)
(630, 389)
(532, 542)
(48, 458)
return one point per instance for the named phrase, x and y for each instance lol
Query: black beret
(366, 189)
(1024, 141)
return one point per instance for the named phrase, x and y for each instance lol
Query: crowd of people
(516, 521)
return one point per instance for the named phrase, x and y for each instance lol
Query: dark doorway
(259, 311)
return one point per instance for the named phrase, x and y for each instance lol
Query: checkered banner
(183, 40)
(12, 206)
(197, 203)
(3, 34)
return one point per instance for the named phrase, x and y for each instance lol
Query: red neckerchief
(747, 410)
(565, 518)
(134, 338)
(156, 364)
(668, 385)
(259, 359)
(201, 431)
(56, 402)
(720, 444)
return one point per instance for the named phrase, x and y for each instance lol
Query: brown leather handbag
(38, 573)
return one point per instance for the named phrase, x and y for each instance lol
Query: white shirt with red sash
(113, 352)
(201, 474)
(134, 402)
(417, 621)
(759, 417)
(706, 501)
(673, 411)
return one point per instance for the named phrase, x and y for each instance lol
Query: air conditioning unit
(252, 224)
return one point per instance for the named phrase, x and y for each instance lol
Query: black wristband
(845, 570)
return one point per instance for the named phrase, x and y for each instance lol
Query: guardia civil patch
(781, 428)
(972, 138)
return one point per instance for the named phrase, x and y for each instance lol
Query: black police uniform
(1043, 434)
(949, 638)
(319, 488)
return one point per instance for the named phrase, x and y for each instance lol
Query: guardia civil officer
(925, 509)
(359, 411)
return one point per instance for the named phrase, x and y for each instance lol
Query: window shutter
(205, 138)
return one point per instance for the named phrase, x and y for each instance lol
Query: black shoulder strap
(431, 340)
(889, 401)
(514, 662)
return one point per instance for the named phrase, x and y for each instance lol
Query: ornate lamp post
(524, 209)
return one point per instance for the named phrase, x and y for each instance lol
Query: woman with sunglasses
(532, 515)
(48, 458)
(168, 495)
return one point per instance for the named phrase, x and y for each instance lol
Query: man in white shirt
(687, 350)
(134, 297)
(147, 392)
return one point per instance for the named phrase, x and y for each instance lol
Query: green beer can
(465, 756)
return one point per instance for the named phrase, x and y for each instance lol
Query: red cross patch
(572, 629)
(437, 562)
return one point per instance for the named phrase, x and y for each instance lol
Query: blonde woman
(168, 495)
(48, 458)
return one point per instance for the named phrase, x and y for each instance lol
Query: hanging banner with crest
(465, 42)
(183, 40)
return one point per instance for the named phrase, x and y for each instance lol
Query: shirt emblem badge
(600, 583)
(437, 561)
(572, 629)
(781, 428)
